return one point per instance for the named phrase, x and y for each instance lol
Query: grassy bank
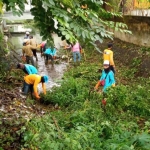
(81, 122)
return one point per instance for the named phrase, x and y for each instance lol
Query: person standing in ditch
(34, 44)
(108, 55)
(27, 52)
(42, 47)
(76, 51)
(50, 53)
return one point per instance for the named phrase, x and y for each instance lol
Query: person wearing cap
(31, 82)
(27, 35)
(108, 55)
(27, 69)
(107, 75)
(50, 53)
(27, 52)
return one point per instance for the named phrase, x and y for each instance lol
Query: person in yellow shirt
(31, 82)
(27, 52)
(108, 55)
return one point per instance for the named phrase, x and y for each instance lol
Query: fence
(136, 7)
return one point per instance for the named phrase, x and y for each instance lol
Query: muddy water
(54, 73)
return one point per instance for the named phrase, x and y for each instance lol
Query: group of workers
(30, 48)
(32, 79)
(107, 78)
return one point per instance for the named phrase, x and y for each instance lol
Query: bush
(71, 92)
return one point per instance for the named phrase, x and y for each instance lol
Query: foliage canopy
(70, 19)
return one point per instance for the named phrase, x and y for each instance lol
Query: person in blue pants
(27, 69)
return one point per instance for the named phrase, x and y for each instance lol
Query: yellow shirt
(27, 50)
(34, 80)
(33, 42)
(108, 55)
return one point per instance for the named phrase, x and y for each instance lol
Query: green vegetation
(82, 122)
(75, 19)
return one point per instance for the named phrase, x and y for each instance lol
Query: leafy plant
(71, 91)
(71, 20)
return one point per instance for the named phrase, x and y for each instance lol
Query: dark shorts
(48, 56)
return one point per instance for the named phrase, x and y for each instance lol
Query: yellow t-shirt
(27, 50)
(33, 42)
(35, 80)
(108, 55)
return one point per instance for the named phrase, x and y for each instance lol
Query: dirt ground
(130, 55)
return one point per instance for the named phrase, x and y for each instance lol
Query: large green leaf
(74, 21)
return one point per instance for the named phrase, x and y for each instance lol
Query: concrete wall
(58, 42)
(139, 12)
(140, 27)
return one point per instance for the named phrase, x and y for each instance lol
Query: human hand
(113, 85)
(38, 97)
(23, 58)
(95, 88)
(100, 91)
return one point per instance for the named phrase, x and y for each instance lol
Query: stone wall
(58, 42)
(140, 27)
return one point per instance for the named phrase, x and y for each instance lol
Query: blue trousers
(76, 55)
(26, 88)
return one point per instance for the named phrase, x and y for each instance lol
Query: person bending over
(50, 53)
(27, 69)
(31, 82)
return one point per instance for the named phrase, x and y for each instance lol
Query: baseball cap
(45, 78)
(106, 62)
(27, 32)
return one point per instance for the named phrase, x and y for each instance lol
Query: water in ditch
(55, 73)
